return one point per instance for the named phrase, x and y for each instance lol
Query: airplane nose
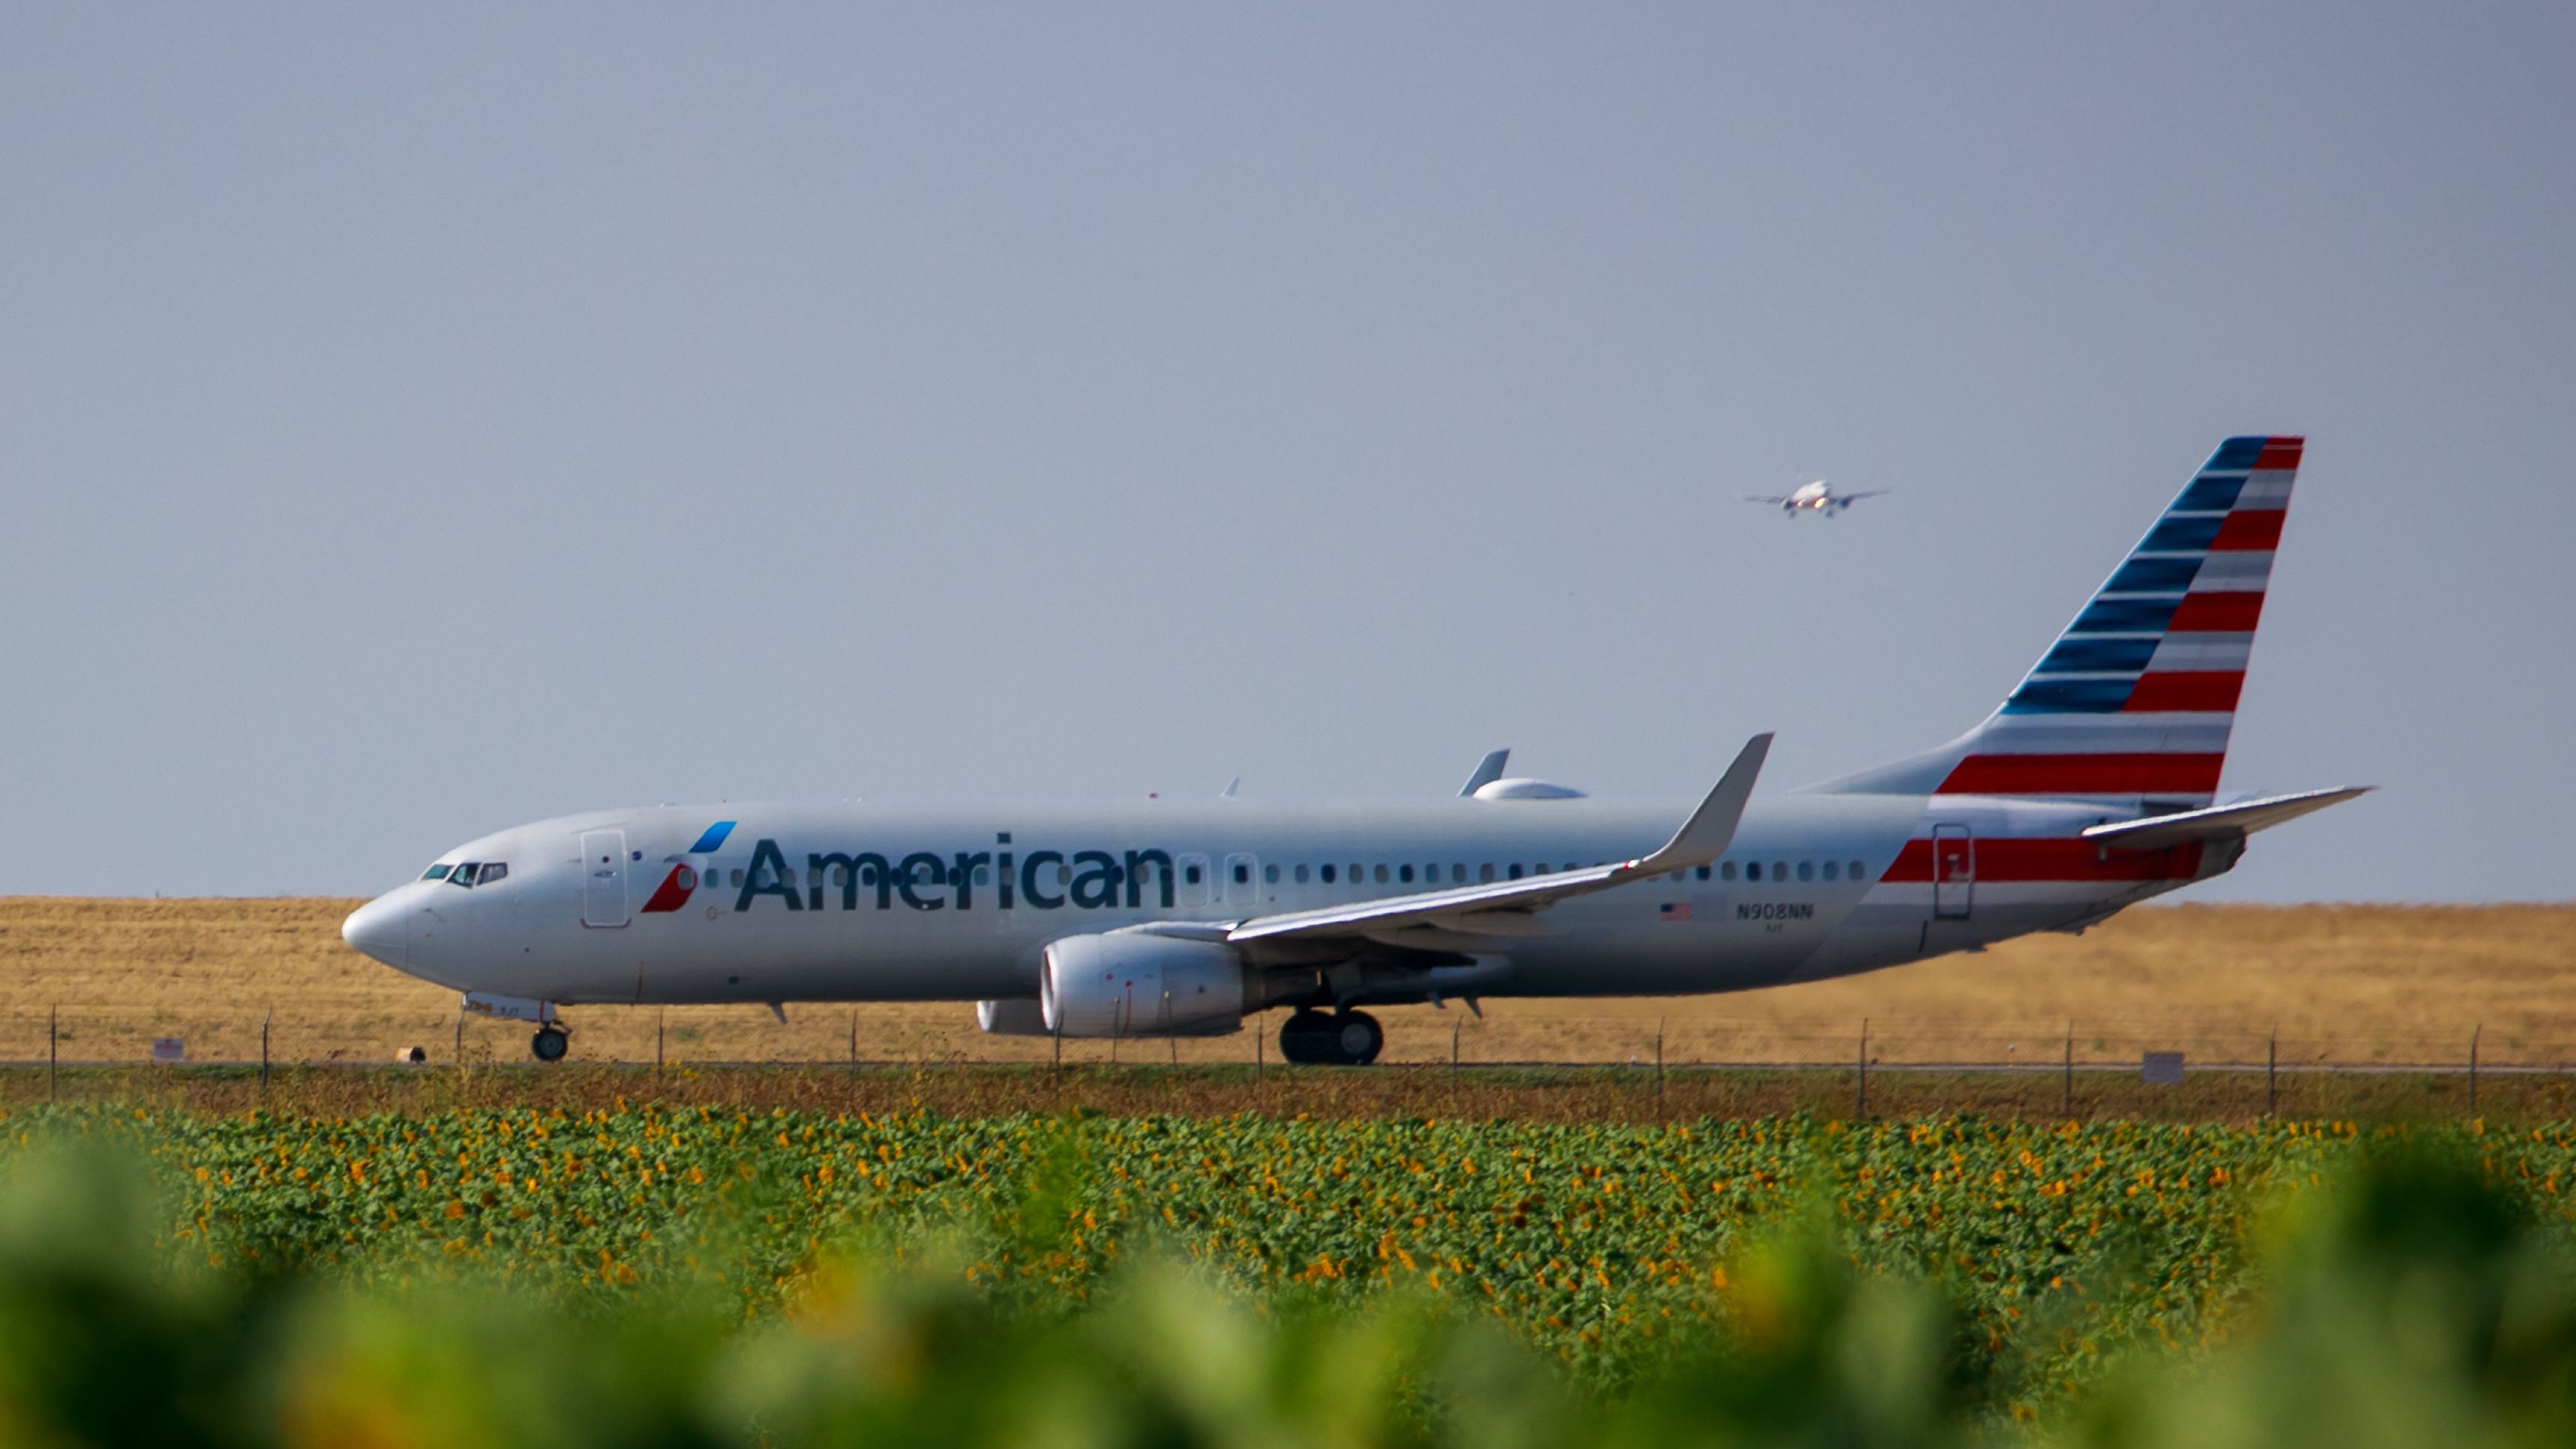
(380, 929)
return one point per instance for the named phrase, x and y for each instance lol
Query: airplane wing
(1864, 493)
(1488, 770)
(2217, 821)
(1506, 908)
(1766, 497)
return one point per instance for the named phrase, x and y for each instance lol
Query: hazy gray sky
(417, 420)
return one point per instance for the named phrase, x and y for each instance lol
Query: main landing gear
(550, 1043)
(1340, 1039)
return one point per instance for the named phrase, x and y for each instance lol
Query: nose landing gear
(1340, 1039)
(550, 1043)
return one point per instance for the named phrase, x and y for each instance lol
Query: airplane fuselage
(836, 903)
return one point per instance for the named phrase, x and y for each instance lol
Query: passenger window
(493, 871)
(435, 872)
(1832, 870)
(1190, 875)
(688, 879)
(1779, 870)
(1328, 873)
(1856, 872)
(1405, 875)
(1356, 875)
(1541, 867)
(1270, 875)
(1064, 875)
(1753, 870)
(1381, 875)
(841, 875)
(1242, 874)
(1484, 872)
(1301, 874)
(1703, 872)
(813, 875)
(737, 875)
(983, 875)
(1516, 871)
(1806, 870)
(464, 875)
(1458, 874)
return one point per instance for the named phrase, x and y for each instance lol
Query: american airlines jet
(2091, 788)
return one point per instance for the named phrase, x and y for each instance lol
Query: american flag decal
(1675, 911)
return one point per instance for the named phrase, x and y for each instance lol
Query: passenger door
(1954, 872)
(603, 886)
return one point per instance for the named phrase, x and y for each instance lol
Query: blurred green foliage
(1140, 1281)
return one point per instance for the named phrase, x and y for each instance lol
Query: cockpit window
(493, 870)
(463, 875)
(435, 872)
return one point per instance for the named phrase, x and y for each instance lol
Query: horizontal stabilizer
(2214, 822)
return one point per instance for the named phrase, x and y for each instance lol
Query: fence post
(2272, 1073)
(1456, 1024)
(1659, 1056)
(1057, 1031)
(460, 1036)
(1260, 1048)
(53, 1047)
(1863, 1110)
(854, 1039)
(265, 1018)
(660, 1015)
(2473, 1065)
(2066, 1089)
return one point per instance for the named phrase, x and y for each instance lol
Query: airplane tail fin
(2135, 700)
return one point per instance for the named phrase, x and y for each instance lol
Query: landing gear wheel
(550, 1043)
(1357, 1038)
(1307, 1038)
(1342, 1039)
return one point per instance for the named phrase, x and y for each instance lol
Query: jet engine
(1132, 984)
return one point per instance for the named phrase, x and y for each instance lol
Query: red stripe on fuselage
(2177, 691)
(2001, 859)
(2217, 614)
(2084, 775)
(2249, 530)
(669, 896)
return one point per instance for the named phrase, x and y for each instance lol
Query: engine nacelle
(1132, 984)
(1013, 1016)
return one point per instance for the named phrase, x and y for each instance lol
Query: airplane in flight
(2093, 786)
(1813, 496)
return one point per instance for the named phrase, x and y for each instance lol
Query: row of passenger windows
(1335, 874)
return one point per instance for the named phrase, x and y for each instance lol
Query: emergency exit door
(1954, 872)
(603, 886)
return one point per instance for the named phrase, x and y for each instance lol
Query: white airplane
(1812, 496)
(2089, 789)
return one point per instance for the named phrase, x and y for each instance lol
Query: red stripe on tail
(2000, 859)
(2084, 775)
(2185, 690)
(2250, 530)
(2217, 614)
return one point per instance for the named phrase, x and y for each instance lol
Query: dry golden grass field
(2353, 984)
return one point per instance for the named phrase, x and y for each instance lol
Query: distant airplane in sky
(1812, 496)
(2093, 786)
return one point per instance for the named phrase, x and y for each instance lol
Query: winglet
(1711, 828)
(1488, 770)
